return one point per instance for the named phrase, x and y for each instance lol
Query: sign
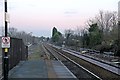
(7, 17)
(5, 42)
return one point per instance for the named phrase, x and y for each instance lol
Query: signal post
(5, 44)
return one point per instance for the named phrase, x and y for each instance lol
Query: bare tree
(27, 38)
(68, 33)
(12, 32)
(106, 20)
(77, 31)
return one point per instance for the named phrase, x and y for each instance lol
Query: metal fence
(17, 52)
(0, 59)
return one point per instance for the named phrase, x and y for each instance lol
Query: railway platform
(40, 69)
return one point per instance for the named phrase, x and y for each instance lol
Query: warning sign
(5, 42)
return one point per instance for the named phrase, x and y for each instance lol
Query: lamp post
(5, 53)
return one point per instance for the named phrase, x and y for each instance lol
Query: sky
(40, 16)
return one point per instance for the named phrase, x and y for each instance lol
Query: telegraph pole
(5, 64)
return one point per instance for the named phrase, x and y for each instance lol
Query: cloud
(20, 4)
(1, 5)
(71, 12)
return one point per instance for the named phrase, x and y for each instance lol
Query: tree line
(28, 38)
(100, 33)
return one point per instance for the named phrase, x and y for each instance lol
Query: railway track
(115, 69)
(108, 62)
(100, 71)
(79, 71)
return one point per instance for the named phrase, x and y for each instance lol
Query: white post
(119, 11)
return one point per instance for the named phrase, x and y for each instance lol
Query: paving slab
(40, 69)
(61, 70)
(30, 69)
